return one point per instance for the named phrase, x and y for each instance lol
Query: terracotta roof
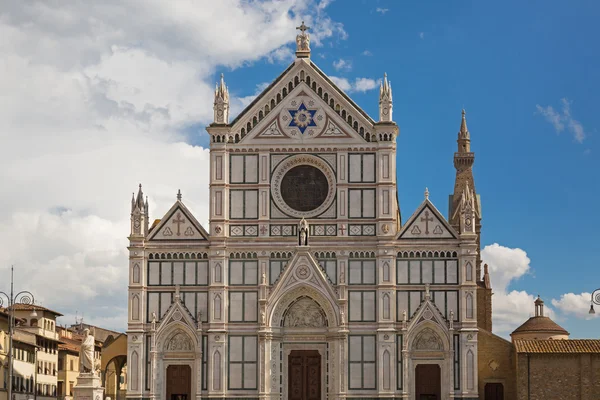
(558, 346)
(540, 324)
(29, 307)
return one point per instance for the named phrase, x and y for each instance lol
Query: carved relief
(428, 340)
(180, 341)
(305, 313)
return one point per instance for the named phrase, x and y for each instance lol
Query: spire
(139, 200)
(426, 194)
(132, 201)
(221, 103)
(385, 100)
(464, 138)
(178, 194)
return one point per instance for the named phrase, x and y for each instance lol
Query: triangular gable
(427, 223)
(257, 119)
(178, 224)
(303, 268)
(303, 116)
(177, 312)
(427, 311)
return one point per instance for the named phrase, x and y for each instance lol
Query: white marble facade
(374, 295)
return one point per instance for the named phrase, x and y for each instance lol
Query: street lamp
(23, 297)
(595, 299)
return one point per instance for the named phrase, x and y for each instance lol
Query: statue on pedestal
(86, 353)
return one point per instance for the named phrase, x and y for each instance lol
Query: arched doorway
(179, 382)
(428, 382)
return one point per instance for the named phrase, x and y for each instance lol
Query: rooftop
(558, 346)
(540, 324)
(30, 307)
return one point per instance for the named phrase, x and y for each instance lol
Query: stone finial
(427, 293)
(426, 194)
(385, 100)
(179, 194)
(221, 103)
(303, 42)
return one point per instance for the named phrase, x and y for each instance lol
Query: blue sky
(115, 101)
(505, 63)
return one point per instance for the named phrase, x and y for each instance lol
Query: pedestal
(88, 387)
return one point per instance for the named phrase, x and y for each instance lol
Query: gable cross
(179, 221)
(427, 220)
(303, 28)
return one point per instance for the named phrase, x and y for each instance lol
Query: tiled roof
(558, 346)
(540, 324)
(30, 307)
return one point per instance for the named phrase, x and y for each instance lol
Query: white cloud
(342, 64)
(577, 305)
(560, 120)
(104, 95)
(367, 53)
(359, 84)
(381, 10)
(509, 308)
(422, 35)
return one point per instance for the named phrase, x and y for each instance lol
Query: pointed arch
(469, 305)
(218, 272)
(217, 307)
(386, 306)
(217, 370)
(387, 370)
(469, 271)
(470, 370)
(135, 308)
(277, 309)
(135, 376)
(136, 273)
(386, 271)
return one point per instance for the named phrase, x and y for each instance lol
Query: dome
(542, 325)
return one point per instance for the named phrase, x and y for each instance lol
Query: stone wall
(496, 363)
(558, 376)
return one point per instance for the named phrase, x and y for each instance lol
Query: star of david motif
(302, 118)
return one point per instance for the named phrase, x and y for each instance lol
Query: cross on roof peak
(303, 28)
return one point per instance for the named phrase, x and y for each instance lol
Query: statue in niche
(179, 342)
(303, 233)
(428, 340)
(305, 313)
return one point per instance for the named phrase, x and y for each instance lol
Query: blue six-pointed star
(302, 118)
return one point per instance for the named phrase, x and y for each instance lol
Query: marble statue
(303, 233)
(86, 352)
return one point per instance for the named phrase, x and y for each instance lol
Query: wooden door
(304, 375)
(494, 391)
(179, 382)
(428, 382)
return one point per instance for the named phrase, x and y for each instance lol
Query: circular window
(304, 188)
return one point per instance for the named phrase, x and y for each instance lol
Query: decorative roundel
(303, 186)
(302, 272)
(427, 314)
(177, 315)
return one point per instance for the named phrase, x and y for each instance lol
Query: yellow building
(68, 361)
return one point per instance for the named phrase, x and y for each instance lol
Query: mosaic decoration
(302, 117)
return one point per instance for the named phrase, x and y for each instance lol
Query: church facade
(307, 284)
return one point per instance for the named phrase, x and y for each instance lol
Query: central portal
(304, 369)
(427, 382)
(179, 382)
